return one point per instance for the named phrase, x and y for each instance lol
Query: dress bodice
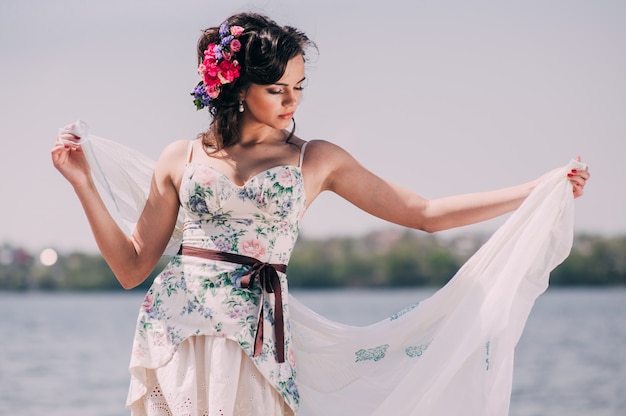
(195, 296)
(260, 219)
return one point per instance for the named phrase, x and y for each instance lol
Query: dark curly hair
(266, 48)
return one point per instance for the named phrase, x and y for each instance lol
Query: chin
(282, 124)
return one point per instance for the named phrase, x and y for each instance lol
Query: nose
(290, 98)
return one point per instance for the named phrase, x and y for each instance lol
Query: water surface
(67, 354)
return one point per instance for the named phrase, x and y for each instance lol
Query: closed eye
(299, 87)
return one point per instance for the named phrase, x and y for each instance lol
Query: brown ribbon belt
(267, 276)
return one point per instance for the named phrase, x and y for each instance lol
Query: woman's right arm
(131, 258)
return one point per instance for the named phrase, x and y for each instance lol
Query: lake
(67, 354)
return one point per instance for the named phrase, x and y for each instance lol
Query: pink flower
(210, 81)
(209, 66)
(147, 303)
(252, 248)
(213, 91)
(291, 358)
(209, 53)
(236, 30)
(286, 179)
(235, 45)
(158, 339)
(205, 177)
(228, 72)
(193, 285)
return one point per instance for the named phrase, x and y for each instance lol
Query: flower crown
(219, 66)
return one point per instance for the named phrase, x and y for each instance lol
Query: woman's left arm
(350, 180)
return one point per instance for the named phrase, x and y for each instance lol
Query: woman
(214, 333)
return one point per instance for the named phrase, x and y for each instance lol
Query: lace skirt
(209, 376)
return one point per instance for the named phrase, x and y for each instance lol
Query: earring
(241, 106)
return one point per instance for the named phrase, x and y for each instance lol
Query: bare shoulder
(325, 154)
(323, 162)
(172, 161)
(175, 150)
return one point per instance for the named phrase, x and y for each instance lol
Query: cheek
(264, 104)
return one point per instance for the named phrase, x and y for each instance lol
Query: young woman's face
(274, 105)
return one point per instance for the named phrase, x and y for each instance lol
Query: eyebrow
(285, 85)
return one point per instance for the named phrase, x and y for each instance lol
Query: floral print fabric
(194, 296)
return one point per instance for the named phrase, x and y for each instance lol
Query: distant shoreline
(385, 259)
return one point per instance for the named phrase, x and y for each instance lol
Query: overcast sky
(442, 97)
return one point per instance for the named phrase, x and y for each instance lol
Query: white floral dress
(193, 347)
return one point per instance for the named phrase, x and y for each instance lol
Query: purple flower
(200, 97)
(224, 29)
(226, 40)
(222, 244)
(199, 90)
(218, 52)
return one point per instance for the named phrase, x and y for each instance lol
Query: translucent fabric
(450, 354)
(123, 176)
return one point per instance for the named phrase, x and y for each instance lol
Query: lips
(286, 116)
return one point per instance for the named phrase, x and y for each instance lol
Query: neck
(251, 135)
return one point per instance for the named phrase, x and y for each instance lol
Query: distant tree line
(389, 259)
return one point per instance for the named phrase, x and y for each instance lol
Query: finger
(583, 174)
(578, 192)
(577, 189)
(58, 145)
(67, 132)
(59, 155)
(61, 152)
(68, 138)
(576, 185)
(68, 144)
(60, 148)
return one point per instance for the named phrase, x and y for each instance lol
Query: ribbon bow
(266, 274)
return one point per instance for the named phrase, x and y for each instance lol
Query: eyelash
(276, 92)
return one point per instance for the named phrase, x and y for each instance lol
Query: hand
(68, 158)
(578, 178)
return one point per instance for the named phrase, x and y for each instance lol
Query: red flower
(228, 72)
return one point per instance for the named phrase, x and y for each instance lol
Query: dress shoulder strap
(302, 154)
(189, 151)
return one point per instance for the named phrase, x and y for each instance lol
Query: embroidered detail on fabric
(403, 311)
(157, 404)
(487, 346)
(416, 350)
(374, 354)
